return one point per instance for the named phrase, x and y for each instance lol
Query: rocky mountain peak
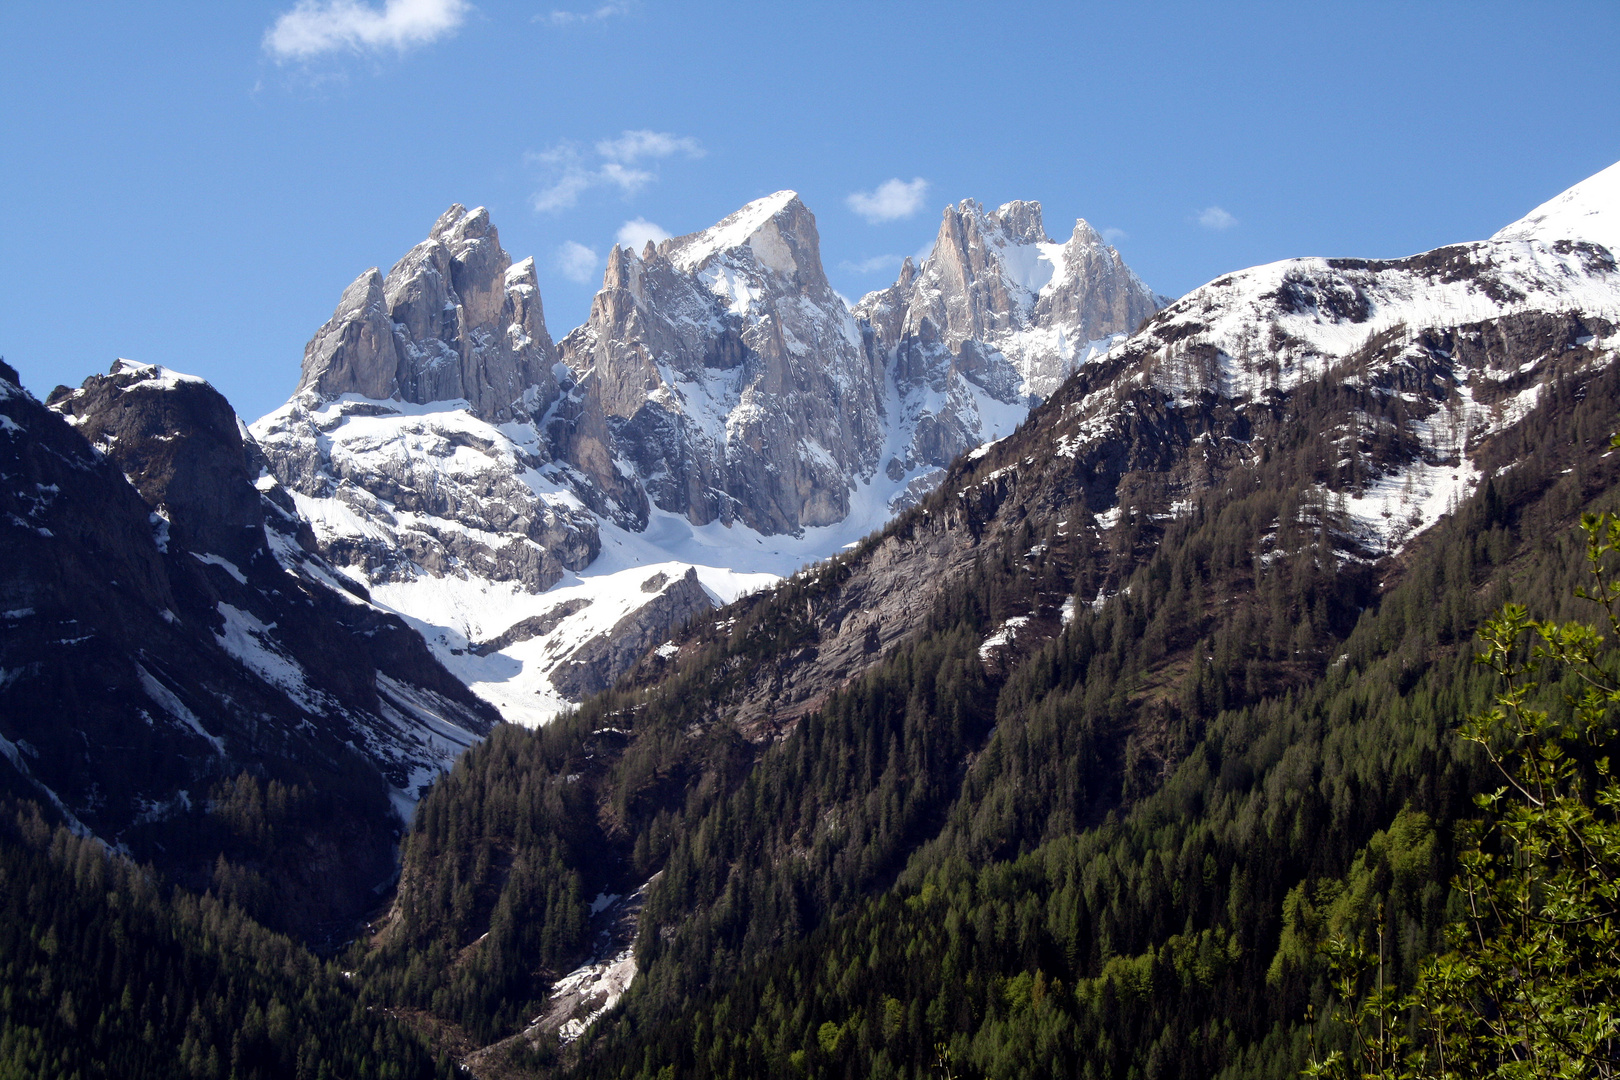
(458, 226)
(724, 368)
(774, 235)
(1019, 220)
(997, 315)
(719, 379)
(981, 270)
(454, 319)
(908, 273)
(181, 445)
(1092, 290)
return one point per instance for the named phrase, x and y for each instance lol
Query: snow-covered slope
(1427, 337)
(1589, 211)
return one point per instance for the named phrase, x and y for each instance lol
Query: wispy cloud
(1114, 236)
(612, 163)
(1215, 218)
(633, 146)
(893, 200)
(576, 262)
(314, 27)
(872, 265)
(574, 18)
(635, 233)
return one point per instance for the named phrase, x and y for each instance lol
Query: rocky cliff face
(454, 319)
(168, 634)
(998, 315)
(726, 370)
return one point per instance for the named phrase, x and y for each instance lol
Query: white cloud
(872, 265)
(1216, 218)
(573, 172)
(635, 233)
(893, 199)
(635, 145)
(573, 18)
(625, 179)
(564, 193)
(314, 27)
(1114, 236)
(576, 262)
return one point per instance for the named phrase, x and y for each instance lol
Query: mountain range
(722, 419)
(1006, 672)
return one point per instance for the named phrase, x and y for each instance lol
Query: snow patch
(223, 563)
(251, 642)
(172, 705)
(1005, 635)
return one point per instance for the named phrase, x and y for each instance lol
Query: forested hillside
(108, 971)
(1103, 840)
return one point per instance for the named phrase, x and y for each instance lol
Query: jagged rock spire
(455, 318)
(726, 370)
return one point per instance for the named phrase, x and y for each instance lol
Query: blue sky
(194, 184)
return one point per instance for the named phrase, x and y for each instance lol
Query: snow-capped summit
(1589, 211)
(996, 285)
(759, 226)
(1436, 341)
(996, 318)
(722, 409)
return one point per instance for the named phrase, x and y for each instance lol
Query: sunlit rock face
(454, 319)
(997, 317)
(725, 370)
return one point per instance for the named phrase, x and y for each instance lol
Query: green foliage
(1529, 985)
(497, 907)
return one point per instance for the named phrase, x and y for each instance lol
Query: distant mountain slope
(182, 678)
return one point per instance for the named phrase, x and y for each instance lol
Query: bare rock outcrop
(454, 319)
(598, 662)
(725, 369)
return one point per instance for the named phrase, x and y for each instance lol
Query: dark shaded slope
(174, 687)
